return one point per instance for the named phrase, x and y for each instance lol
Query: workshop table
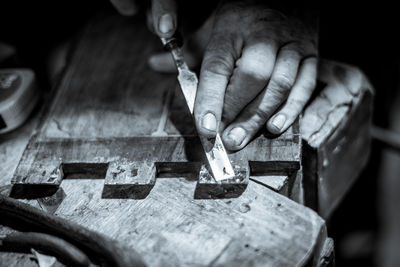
(108, 102)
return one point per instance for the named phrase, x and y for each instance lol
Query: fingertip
(229, 144)
(206, 133)
(166, 25)
(276, 124)
(207, 125)
(164, 17)
(234, 138)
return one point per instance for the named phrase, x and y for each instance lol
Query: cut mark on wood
(141, 160)
(87, 170)
(135, 180)
(51, 203)
(260, 168)
(164, 115)
(278, 183)
(208, 188)
(187, 170)
(32, 191)
(275, 175)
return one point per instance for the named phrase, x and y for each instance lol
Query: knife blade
(214, 149)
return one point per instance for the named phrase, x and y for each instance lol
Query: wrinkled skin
(258, 68)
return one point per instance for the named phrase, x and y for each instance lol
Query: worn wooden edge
(125, 179)
(74, 158)
(207, 187)
(327, 256)
(318, 250)
(120, 182)
(352, 82)
(340, 150)
(336, 138)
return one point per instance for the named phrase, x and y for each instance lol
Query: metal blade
(217, 157)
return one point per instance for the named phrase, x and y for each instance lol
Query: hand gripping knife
(214, 149)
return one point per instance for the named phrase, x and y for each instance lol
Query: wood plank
(171, 227)
(108, 105)
(112, 113)
(336, 131)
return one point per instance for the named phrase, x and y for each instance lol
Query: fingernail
(279, 121)
(165, 23)
(237, 135)
(209, 122)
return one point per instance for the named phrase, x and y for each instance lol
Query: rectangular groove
(262, 168)
(87, 170)
(188, 170)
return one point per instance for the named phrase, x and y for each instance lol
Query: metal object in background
(18, 97)
(215, 151)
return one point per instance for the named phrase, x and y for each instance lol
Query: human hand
(163, 17)
(259, 68)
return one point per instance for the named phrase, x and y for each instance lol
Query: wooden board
(335, 128)
(107, 109)
(107, 106)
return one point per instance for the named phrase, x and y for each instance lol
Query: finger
(251, 75)
(254, 116)
(163, 62)
(216, 69)
(164, 17)
(125, 7)
(193, 50)
(297, 99)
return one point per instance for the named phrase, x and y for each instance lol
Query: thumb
(193, 50)
(164, 16)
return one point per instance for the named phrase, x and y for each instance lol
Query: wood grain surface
(107, 106)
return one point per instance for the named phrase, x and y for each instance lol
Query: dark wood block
(125, 179)
(38, 178)
(208, 187)
(336, 132)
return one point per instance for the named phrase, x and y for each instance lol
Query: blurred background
(366, 226)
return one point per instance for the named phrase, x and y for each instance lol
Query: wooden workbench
(108, 95)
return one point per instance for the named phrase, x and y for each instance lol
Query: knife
(214, 149)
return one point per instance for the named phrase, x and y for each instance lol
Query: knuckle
(309, 84)
(256, 69)
(293, 48)
(295, 104)
(218, 64)
(218, 58)
(281, 82)
(260, 116)
(255, 118)
(299, 48)
(232, 102)
(227, 117)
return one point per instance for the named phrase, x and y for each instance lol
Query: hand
(259, 68)
(163, 17)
